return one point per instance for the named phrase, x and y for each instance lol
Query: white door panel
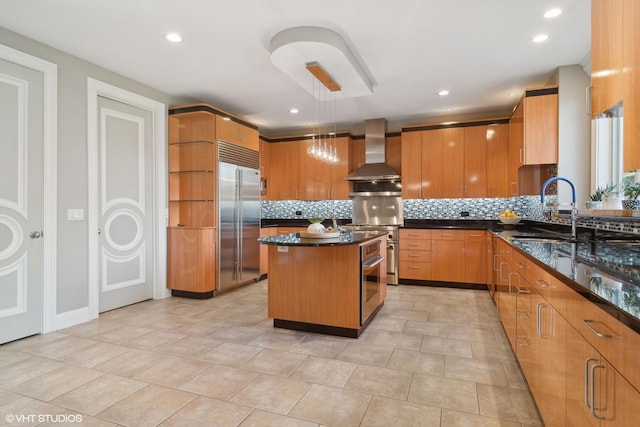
(21, 200)
(126, 210)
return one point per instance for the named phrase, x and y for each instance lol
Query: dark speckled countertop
(345, 238)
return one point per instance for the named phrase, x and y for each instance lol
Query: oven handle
(372, 262)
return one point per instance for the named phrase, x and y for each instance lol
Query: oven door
(370, 286)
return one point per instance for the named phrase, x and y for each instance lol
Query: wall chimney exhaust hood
(374, 169)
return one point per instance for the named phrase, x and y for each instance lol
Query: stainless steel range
(377, 195)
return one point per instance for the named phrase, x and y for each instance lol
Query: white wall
(72, 236)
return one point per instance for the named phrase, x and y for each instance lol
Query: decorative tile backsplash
(528, 207)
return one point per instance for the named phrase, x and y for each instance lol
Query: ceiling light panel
(174, 37)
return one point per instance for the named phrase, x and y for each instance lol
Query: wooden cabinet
(265, 168)
(451, 169)
(606, 54)
(191, 237)
(505, 292)
(415, 254)
(284, 171)
(443, 255)
(475, 161)
(412, 165)
(264, 249)
(497, 165)
(294, 175)
(231, 130)
(631, 84)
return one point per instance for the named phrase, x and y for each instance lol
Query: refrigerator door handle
(239, 225)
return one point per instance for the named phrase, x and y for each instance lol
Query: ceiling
(481, 51)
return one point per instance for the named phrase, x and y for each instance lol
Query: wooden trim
(501, 121)
(322, 76)
(541, 92)
(192, 108)
(298, 138)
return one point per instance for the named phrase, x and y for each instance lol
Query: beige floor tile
(204, 411)
(432, 307)
(320, 345)
(132, 362)
(446, 346)
(99, 394)
(230, 354)
(384, 412)
(332, 406)
(500, 352)
(393, 306)
(365, 353)
(468, 333)
(172, 372)
(220, 382)
(91, 356)
(386, 323)
(203, 328)
(26, 369)
(417, 315)
(193, 346)
(476, 370)
(444, 393)
(60, 347)
(432, 329)
(35, 340)
(380, 381)
(148, 406)
(91, 328)
(55, 383)
(6, 396)
(323, 371)
(275, 362)
(515, 376)
(260, 418)
(277, 339)
(8, 357)
(26, 411)
(238, 334)
(273, 394)
(122, 334)
(507, 403)
(460, 419)
(415, 361)
(154, 340)
(408, 341)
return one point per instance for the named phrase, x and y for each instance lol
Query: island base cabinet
(315, 285)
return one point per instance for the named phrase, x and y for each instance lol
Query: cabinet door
(339, 188)
(431, 164)
(411, 165)
(265, 166)
(230, 130)
(541, 129)
(497, 138)
(448, 260)
(475, 161)
(452, 166)
(606, 54)
(516, 147)
(475, 257)
(307, 175)
(631, 84)
(284, 171)
(264, 249)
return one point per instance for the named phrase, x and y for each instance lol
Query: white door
(21, 200)
(125, 204)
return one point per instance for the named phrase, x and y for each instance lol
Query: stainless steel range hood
(374, 169)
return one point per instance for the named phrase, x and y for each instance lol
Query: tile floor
(431, 357)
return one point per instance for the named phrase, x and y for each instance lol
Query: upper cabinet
(615, 68)
(231, 130)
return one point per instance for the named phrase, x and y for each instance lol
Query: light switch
(283, 249)
(75, 214)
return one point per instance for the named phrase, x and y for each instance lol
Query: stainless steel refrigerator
(238, 216)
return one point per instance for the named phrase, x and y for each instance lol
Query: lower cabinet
(443, 255)
(191, 260)
(578, 360)
(264, 249)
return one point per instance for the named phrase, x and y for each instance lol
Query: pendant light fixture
(323, 141)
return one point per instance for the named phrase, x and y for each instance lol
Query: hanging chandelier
(323, 141)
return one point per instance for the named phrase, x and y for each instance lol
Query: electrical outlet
(298, 213)
(464, 213)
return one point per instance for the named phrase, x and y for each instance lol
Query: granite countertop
(606, 274)
(345, 238)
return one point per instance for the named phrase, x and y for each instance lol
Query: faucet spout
(574, 210)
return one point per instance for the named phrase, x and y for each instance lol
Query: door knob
(35, 234)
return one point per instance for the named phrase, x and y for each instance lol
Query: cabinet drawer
(415, 256)
(415, 270)
(615, 341)
(415, 234)
(448, 234)
(415, 245)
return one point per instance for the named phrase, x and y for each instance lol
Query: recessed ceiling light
(443, 92)
(174, 37)
(540, 38)
(512, 94)
(294, 111)
(552, 13)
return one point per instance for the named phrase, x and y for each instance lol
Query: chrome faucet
(574, 209)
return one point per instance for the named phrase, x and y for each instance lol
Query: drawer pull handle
(543, 284)
(522, 290)
(587, 323)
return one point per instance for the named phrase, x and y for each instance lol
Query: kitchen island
(326, 285)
